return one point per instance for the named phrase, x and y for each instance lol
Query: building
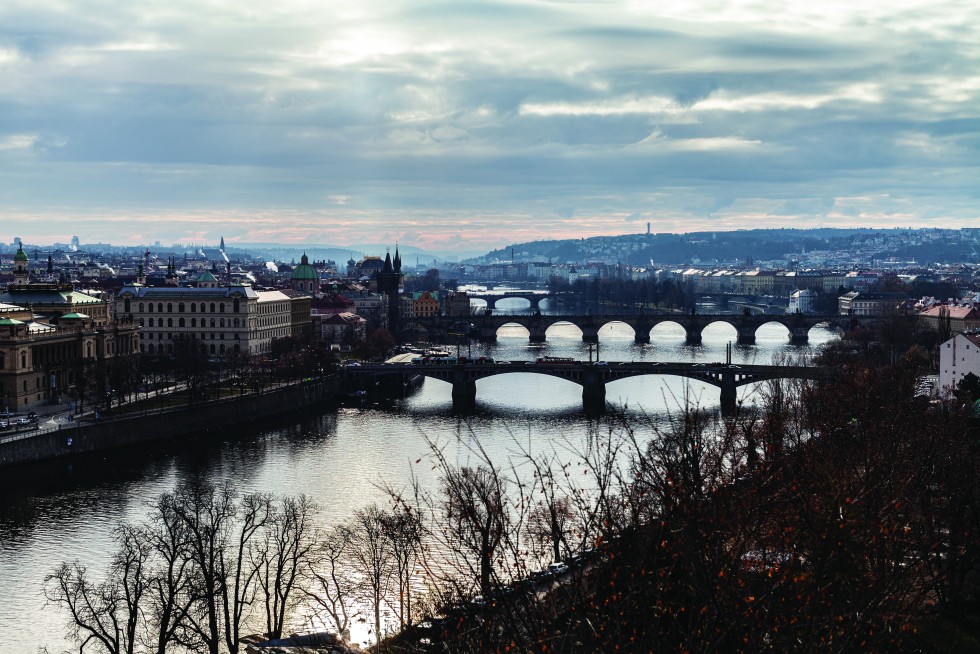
(223, 319)
(389, 283)
(802, 301)
(958, 357)
(425, 304)
(458, 304)
(344, 329)
(960, 317)
(873, 305)
(42, 360)
(305, 277)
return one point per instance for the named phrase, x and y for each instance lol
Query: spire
(387, 267)
(222, 246)
(398, 260)
(50, 265)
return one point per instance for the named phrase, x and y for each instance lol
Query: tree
(283, 555)
(370, 552)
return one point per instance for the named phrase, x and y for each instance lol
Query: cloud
(480, 118)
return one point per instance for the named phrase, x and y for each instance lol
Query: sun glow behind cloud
(482, 122)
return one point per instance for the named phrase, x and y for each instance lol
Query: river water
(340, 457)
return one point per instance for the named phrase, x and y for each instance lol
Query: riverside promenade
(57, 436)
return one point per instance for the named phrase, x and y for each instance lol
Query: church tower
(389, 282)
(22, 268)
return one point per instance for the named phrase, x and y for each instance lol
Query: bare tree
(370, 552)
(282, 556)
(331, 586)
(108, 616)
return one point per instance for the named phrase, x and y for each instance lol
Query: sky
(468, 125)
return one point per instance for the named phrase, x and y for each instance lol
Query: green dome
(21, 255)
(304, 271)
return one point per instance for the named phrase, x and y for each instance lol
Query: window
(212, 322)
(193, 322)
(141, 307)
(193, 307)
(170, 307)
(126, 307)
(180, 323)
(221, 308)
(212, 307)
(180, 308)
(222, 322)
(236, 304)
(159, 307)
(170, 322)
(141, 322)
(23, 361)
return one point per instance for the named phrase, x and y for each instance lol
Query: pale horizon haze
(464, 126)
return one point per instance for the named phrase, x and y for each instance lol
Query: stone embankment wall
(215, 417)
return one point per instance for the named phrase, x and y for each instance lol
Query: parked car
(558, 568)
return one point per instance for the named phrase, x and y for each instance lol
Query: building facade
(224, 320)
(958, 357)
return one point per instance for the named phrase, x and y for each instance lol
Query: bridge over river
(440, 329)
(593, 377)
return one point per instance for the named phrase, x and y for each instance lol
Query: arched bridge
(592, 377)
(438, 328)
(491, 298)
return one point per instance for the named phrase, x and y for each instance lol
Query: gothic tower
(389, 282)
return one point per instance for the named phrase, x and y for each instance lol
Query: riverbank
(166, 424)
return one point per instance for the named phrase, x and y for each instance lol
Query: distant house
(958, 357)
(872, 305)
(802, 301)
(962, 317)
(342, 328)
(425, 304)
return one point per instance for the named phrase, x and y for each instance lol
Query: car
(530, 363)
(4, 424)
(503, 363)
(601, 363)
(23, 421)
(353, 364)
(558, 568)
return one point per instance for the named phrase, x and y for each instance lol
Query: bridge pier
(464, 395)
(537, 334)
(590, 334)
(746, 335)
(641, 337)
(729, 394)
(693, 334)
(799, 335)
(594, 397)
(488, 334)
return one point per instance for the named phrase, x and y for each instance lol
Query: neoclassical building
(223, 319)
(50, 335)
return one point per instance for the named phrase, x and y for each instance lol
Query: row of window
(149, 307)
(204, 322)
(150, 348)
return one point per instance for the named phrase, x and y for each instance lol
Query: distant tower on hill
(222, 246)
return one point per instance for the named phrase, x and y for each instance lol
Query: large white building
(958, 357)
(224, 319)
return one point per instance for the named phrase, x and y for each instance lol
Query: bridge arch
(616, 330)
(720, 330)
(668, 331)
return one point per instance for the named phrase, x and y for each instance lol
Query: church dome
(21, 255)
(304, 271)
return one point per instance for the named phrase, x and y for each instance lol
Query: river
(339, 457)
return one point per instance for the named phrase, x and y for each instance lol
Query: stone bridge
(485, 326)
(591, 376)
(491, 298)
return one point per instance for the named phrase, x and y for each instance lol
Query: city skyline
(462, 127)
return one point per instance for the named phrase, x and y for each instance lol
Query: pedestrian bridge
(438, 329)
(593, 377)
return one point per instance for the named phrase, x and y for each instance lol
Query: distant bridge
(491, 297)
(593, 377)
(438, 329)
